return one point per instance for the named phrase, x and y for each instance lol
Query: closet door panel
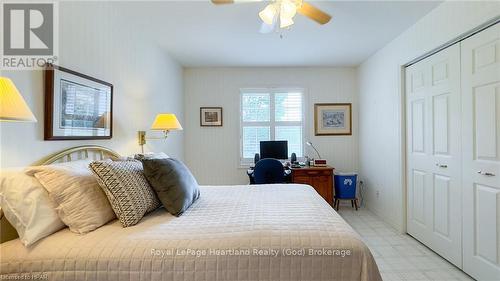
(418, 198)
(433, 157)
(444, 163)
(481, 158)
(442, 216)
(418, 125)
(419, 193)
(441, 104)
(486, 229)
(486, 103)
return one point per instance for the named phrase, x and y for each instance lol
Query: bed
(260, 232)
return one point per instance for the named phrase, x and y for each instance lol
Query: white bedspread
(266, 232)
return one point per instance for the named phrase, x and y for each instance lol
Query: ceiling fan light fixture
(288, 9)
(284, 12)
(286, 22)
(269, 14)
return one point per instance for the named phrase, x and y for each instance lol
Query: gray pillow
(174, 184)
(159, 155)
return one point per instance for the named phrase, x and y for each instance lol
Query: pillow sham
(27, 207)
(80, 202)
(127, 190)
(174, 184)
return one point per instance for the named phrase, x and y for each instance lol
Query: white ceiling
(197, 33)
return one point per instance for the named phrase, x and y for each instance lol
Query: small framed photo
(333, 119)
(77, 106)
(211, 116)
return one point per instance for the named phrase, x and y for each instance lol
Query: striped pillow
(128, 191)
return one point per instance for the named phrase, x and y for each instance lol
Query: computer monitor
(274, 149)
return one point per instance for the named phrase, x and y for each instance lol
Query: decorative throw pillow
(151, 155)
(26, 205)
(128, 191)
(81, 203)
(173, 182)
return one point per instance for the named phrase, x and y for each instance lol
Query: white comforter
(266, 232)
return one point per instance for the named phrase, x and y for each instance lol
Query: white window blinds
(270, 115)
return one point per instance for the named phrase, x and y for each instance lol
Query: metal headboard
(78, 153)
(96, 152)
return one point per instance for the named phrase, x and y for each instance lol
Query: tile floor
(399, 257)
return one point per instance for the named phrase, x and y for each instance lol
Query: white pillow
(27, 207)
(80, 202)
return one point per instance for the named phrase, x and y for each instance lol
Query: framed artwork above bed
(77, 106)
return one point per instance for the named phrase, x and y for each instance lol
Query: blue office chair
(269, 171)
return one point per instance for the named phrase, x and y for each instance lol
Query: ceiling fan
(283, 12)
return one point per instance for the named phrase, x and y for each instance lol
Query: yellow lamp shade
(12, 105)
(166, 122)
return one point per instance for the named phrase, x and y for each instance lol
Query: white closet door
(481, 154)
(433, 153)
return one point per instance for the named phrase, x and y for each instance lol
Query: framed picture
(211, 116)
(77, 106)
(332, 119)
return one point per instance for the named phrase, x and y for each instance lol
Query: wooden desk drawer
(302, 180)
(313, 173)
(319, 178)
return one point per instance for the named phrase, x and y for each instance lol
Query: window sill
(245, 166)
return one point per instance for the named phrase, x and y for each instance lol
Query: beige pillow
(80, 202)
(27, 206)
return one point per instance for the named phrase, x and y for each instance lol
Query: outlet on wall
(378, 193)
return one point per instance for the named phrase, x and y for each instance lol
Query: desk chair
(269, 171)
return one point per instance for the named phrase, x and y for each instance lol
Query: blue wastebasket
(345, 186)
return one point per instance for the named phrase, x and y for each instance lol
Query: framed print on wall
(211, 116)
(77, 106)
(333, 119)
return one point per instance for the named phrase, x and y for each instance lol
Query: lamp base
(141, 137)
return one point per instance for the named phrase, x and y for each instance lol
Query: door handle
(486, 174)
(439, 165)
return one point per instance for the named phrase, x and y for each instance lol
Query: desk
(321, 178)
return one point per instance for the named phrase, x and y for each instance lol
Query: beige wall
(213, 153)
(94, 42)
(381, 143)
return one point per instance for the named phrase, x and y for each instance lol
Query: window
(271, 115)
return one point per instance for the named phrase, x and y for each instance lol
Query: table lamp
(165, 122)
(13, 108)
(319, 162)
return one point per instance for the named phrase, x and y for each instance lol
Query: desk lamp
(317, 162)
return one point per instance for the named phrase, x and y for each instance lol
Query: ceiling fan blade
(222, 2)
(314, 13)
